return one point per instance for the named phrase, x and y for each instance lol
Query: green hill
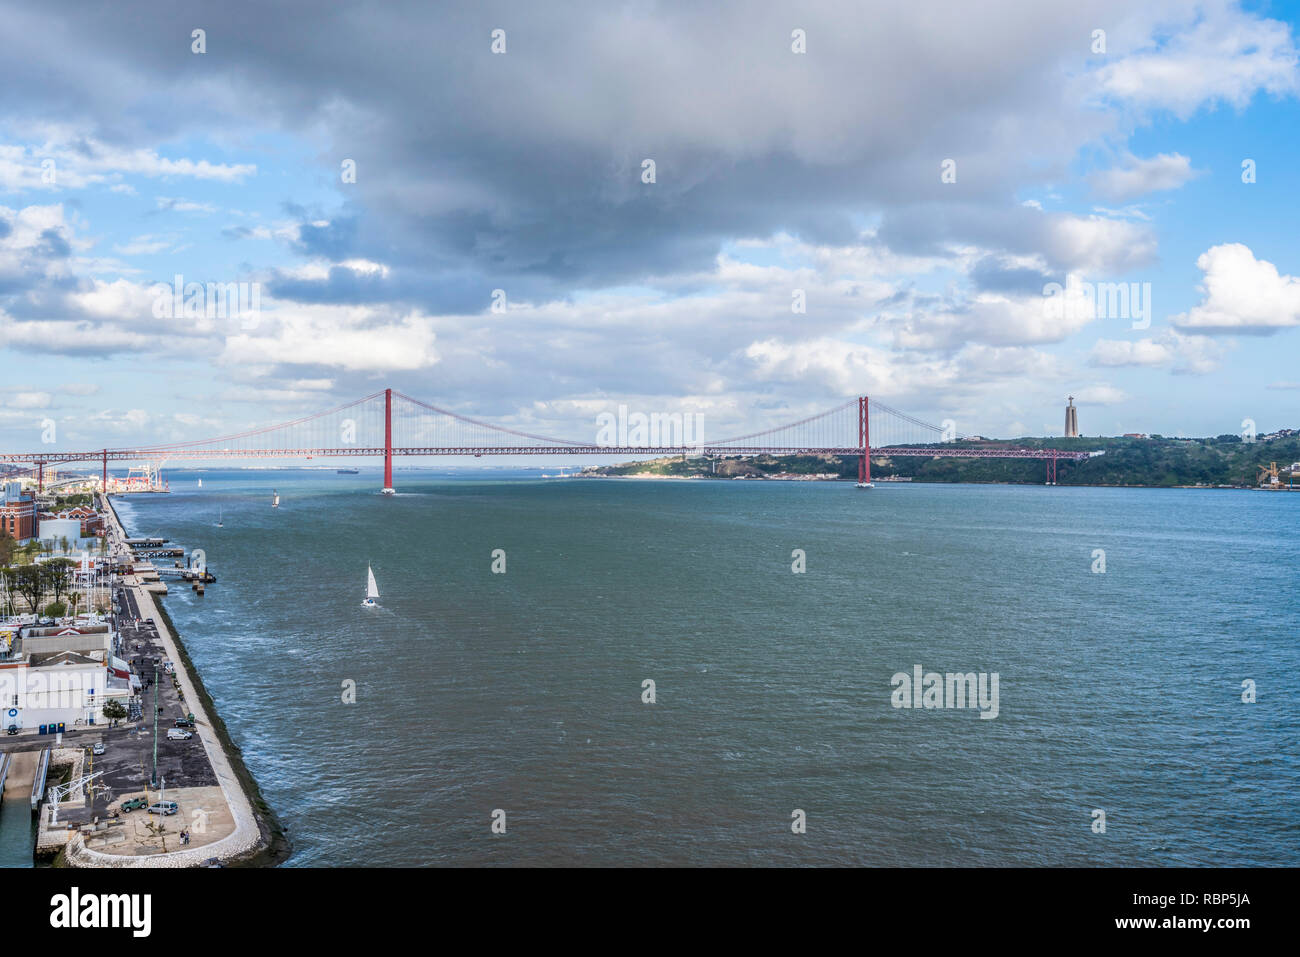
(1158, 461)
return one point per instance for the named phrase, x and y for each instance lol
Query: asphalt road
(128, 760)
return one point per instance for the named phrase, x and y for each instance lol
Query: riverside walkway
(214, 806)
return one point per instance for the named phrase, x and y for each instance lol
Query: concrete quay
(215, 804)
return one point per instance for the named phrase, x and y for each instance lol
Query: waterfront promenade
(214, 806)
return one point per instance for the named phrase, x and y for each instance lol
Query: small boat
(372, 589)
(221, 518)
(275, 503)
(864, 485)
(348, 471)
(200, 483)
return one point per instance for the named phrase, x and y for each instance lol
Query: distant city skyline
(745, 213)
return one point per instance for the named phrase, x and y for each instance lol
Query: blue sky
(776, 171)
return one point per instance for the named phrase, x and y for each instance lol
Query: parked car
(184, 723)
(164, 807)
(134, 803)
(13, 729)
(177, 734)
(98, 748)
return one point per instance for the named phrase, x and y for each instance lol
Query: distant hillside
(1159, 461)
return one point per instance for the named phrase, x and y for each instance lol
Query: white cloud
(1098, 245)
(1140, 176)
(1185, 353)
(1101, 394)
(994, 319)
(1242, 294)
(183, 205)
(351, 338)
(144, 245)
(28, 400)
(1228, 57)
(81, 161)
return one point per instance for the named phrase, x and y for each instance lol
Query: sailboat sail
(372, 589)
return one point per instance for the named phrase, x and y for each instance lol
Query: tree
(6, 549)
(114, 709)
(58, 573)
(10, 577)
(30, 582)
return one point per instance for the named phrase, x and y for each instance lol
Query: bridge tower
(388, 442)
(864, 442)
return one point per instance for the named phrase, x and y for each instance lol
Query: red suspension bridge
(389, 423)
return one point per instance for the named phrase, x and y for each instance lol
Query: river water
(522, 692)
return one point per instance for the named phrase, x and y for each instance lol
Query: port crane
(60, 791)
(1268, 474)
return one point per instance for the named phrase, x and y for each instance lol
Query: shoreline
(648, 477)
(271, 845)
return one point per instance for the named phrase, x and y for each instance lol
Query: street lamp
(153, 782)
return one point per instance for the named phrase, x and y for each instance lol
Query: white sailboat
(276, 501)
(200, 483)
(372, 589)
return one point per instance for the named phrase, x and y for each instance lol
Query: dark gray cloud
(525, 167)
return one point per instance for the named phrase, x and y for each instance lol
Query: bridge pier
(388, 442)
(864, 441)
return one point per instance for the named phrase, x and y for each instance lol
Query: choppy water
(479, 691)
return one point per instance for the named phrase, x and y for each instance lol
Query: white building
(54, 529)
(63, 675)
